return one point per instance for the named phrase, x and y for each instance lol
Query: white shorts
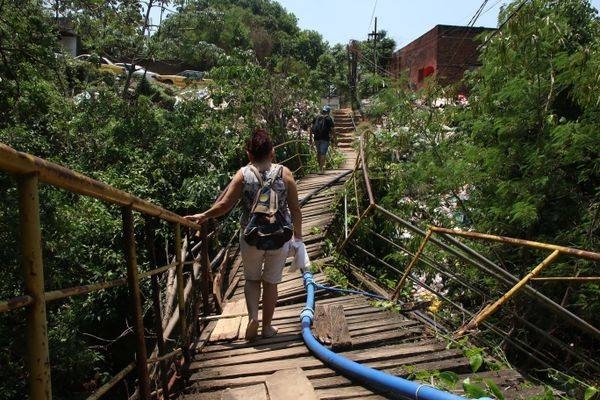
(266, 265)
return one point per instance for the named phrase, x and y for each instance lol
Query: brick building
(445, 51)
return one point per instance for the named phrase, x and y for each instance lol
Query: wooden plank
(288, 358)
(340, 336)
(228, 328)
(243, 325)
(330, 327)
(232, 334)
(321, 325)
(290, 384)
(254, 392)
(350, 392)
(317, 372)
(216, 289)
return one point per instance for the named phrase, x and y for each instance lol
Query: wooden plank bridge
(226, 366)
(211, 360)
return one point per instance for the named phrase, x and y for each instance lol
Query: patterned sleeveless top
(251, 186)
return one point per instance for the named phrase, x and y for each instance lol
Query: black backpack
(319, 128)
(267, 228)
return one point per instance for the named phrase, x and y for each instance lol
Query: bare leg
(252, 294)
(269, 303)
(321, 162)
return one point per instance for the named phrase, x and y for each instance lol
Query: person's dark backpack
(267, 228)
(319, 128)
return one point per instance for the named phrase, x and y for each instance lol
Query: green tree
(110, 28)
(524, 150)
(535, 125)
(376, 56)
(308, 46)
(201, 31)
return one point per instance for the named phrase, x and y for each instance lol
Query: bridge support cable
(437, 323)
(465, 253)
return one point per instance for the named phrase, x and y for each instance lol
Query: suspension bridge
(352, 342)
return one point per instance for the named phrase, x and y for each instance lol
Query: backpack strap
(257, 174)
(270, 204)
(272, 176)
(278, 172)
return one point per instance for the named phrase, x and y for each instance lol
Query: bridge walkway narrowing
(226, 366)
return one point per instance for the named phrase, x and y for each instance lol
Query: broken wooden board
(228, 328)
(331, 328)
(254, 392)
(290, 384)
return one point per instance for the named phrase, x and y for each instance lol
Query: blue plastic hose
(389, 385)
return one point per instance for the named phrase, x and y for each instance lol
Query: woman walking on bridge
(261, 267)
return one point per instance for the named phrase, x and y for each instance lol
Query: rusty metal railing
(443, 244)
(491, 308)
(30, 171)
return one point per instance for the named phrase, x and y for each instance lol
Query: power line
(477, 14)
(504, 23)
(464, 36)
(492, 6)
(372, 14)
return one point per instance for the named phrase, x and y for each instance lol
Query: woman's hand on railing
(197, 218)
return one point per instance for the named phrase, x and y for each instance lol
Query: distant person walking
(322, 132)
(261, 267)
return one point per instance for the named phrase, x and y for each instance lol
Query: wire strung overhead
(372, 15)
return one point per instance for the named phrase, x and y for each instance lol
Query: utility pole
(352, 72)
(375, 36)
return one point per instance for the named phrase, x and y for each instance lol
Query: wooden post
(136, 302)
(38, 353)
(160, 343)
(181, 291)
(205, 272)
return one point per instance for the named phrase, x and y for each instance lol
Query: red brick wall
(418, 55)
(449, 50)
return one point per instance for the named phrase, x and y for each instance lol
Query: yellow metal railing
(442, 241)
(491, 308)
(30, 171)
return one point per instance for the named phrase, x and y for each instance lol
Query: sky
(339, 21)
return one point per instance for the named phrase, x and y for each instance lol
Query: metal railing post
(396, 293)
(38, 353)
(345, 215)
(487, 311)
(136, 302)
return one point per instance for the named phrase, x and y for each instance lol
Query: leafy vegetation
(137, 136)
(518, 159)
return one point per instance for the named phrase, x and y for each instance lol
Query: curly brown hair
(259, 145)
